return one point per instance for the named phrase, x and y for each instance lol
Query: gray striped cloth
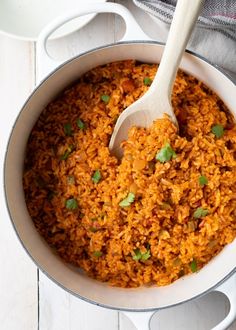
(215, 34)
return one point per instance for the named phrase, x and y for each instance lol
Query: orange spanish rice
(161, 212)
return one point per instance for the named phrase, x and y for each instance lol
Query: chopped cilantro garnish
(80, 124)
(67, 152)
(71, 204)
(193, 266)
(146, 255)
(105, 98)
(70, 179)
(137, 255)
(141, 256)
(147, 81)
(200, 213)
(165, 154)
(68, 129)
(97, 254)
(165, 206)
(202, 180)
(128, 200)
(93, 229)
(218, 130)
(96, 176)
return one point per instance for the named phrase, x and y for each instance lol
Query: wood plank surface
(61, 311)
(18, 274)
(25, 302)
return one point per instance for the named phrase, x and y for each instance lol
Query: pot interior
(66, 276)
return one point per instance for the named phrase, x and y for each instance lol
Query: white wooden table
(29, 300)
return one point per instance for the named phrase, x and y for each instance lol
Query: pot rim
(5, 192)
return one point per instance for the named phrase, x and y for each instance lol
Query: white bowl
(24, 19)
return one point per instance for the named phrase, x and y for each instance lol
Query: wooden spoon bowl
(157, 101)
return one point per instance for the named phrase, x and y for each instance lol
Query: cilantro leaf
(193, 266)
(141, 256)
(147, 81)
(146, 255)
(80, 124)
(71, 179)
(96, 176)
(202, 180)
(93, 229)
(67, 152)
(71, 204)
(200, 213)
(137, 255)
(165, 154)
(128, 200)
(68, 129)
(218, 130)
(97, 254)
(105, 98)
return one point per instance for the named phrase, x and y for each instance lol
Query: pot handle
(141, 320)
(46, 64)
(228, 288)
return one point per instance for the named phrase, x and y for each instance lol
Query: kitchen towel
(214, 36)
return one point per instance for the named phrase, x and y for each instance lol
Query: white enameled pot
(132, 301)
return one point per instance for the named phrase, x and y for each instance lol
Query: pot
(143, 299)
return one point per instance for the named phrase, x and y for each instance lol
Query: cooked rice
(157, 238)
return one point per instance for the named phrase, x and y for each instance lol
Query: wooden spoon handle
(185, 16)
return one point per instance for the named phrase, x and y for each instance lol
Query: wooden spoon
(157, 101)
